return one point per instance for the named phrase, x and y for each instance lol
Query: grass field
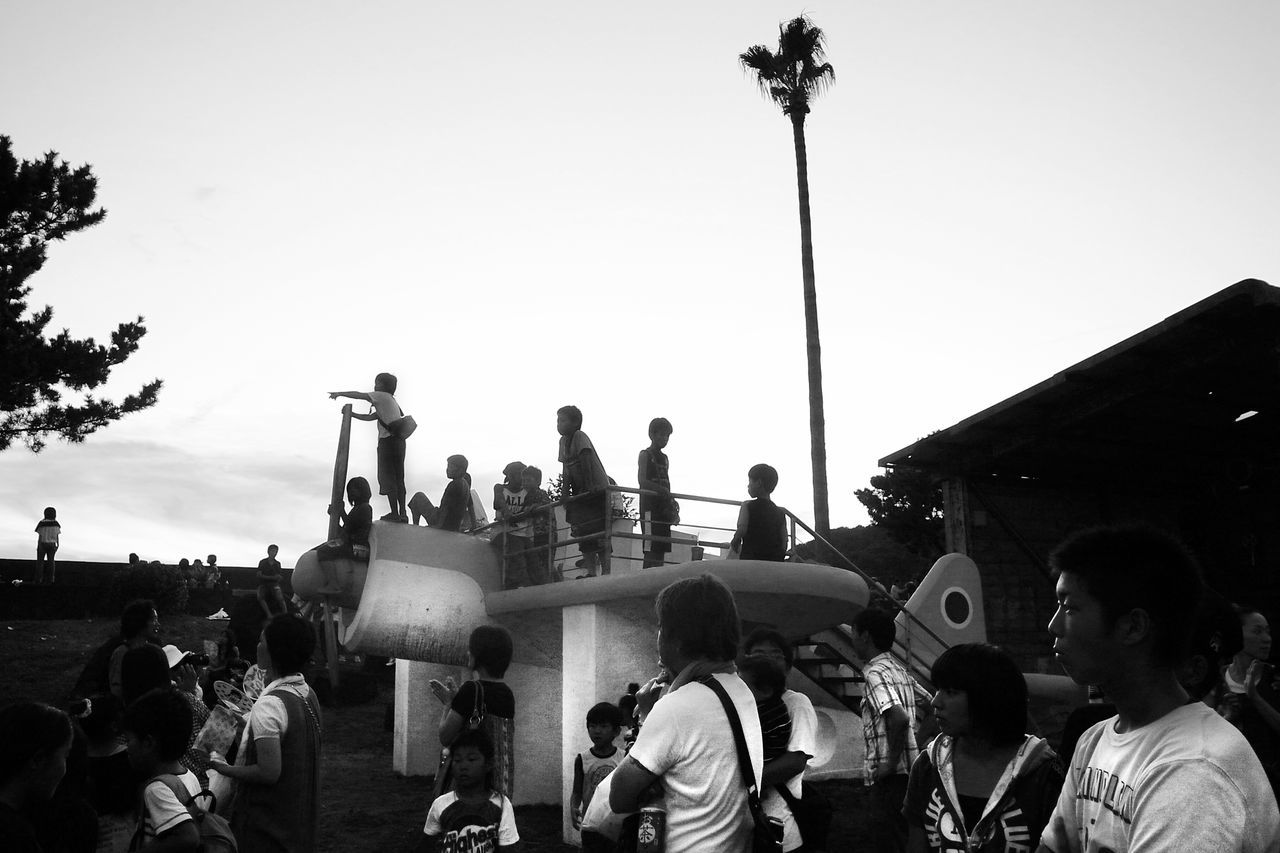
(365, 807)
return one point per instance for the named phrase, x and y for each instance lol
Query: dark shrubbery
(162, 584)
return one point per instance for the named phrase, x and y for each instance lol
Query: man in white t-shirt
(787, 769)
(685, 739)
(1166, 773)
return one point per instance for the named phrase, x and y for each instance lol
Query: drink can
(651, 837)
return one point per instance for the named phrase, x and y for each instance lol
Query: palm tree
(791, 77)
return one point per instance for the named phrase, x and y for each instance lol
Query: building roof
(1164, 404)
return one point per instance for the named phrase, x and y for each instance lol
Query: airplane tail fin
(948, 604)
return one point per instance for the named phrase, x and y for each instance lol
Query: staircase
(827, 658)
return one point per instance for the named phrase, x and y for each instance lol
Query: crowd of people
(1179, 748)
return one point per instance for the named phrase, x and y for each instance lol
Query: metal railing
(618, 531)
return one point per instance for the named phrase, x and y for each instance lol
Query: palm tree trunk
(813, 349)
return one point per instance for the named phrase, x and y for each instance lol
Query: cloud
(163, 502)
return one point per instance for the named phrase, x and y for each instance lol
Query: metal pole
(337, 495)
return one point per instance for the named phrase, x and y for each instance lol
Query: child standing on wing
(657, 512)
(390, 447)
(583, 474)
(762, 528)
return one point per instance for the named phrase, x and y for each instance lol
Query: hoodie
(1014, 815)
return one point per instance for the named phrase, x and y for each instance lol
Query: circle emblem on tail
(957, 607)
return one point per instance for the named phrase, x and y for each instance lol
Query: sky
(516, 206)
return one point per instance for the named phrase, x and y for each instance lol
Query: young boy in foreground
(1166, 773)
(471, 817)
(157, 727)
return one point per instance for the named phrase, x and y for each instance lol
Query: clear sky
(515, 206)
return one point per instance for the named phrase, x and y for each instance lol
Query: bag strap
(744, 757)
(479, 710)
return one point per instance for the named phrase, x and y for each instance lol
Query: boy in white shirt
(1165, 773)
(157, 727)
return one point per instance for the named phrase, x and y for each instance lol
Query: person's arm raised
(354, 395)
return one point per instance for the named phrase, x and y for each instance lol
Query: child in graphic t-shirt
(473, 816)
(604, 724)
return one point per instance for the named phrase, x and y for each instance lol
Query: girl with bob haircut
(983, 781)
(277, 769)
(686, 741)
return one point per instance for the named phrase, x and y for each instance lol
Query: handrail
(871, 582)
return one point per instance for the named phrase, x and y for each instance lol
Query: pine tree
(40, 201)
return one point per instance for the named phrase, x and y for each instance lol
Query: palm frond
(798, 71)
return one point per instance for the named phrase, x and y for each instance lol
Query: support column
(415, 748)
(603, 650)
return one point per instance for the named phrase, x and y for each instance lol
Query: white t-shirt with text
(686, 741)
(1188, 781)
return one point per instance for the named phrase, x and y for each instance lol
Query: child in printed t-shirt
(762, 528)
(768, 682)
(486, 698)
(583, 474)
(604, 724)
(157, 727)
(657, 512)
(473, 816)
(270, 596)
(542, 525)
(47, 532)
(509, 499)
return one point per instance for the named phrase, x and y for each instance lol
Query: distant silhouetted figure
(47, 531)
(657, 512)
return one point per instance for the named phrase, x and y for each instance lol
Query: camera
(196, 659)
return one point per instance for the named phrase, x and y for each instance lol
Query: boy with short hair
(604, 724)
(657, 511)
(583, 474)
(1166, 773)
(391, 448)
(157, 727)
(47, 532)
(455, 503)
(888, 726)
(472, 816)
(761, 533)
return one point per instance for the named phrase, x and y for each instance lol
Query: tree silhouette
(43, 200)
(792, 76)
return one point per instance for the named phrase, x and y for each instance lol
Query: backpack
(215, 833)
